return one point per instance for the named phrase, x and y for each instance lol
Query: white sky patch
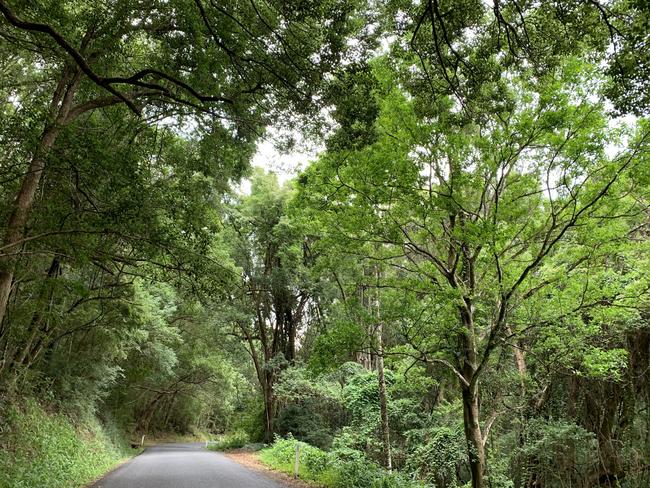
(15, 101)
(286, 165)
(627, 120)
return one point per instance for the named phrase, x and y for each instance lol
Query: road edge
(119, 465)
(250, 460)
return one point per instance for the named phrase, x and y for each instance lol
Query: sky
(284, 165)
(287, 165)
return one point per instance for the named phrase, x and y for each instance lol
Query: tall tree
(274, 293)
(474, 210)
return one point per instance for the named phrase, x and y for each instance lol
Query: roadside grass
(233, 440)
(313, 466)
(166, 437)
(45, 450)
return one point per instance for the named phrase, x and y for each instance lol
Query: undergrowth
(339, 468)
(234, 440)
(45, 450)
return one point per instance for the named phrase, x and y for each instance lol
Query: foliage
(48, 450)
(232, 440)
(337, 469)
(554, 446)
(456, 288)
(437, 455)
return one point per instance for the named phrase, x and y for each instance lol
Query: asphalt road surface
(183, 466)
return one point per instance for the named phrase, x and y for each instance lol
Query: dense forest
(453, 292)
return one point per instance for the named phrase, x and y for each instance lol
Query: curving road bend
(183, 466)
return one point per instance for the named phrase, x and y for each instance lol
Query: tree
(164, 59)
(473, 211)
(273, 299)
(109, 214)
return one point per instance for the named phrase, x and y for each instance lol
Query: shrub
(250, 419)
(305, 423)
(315, 460)
(234, 440)
(559, 452)
(342, 467)
(436, 453)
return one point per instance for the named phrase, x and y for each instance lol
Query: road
(183, 466)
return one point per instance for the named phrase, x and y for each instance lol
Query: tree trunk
(24, 201)
(468, 370)
(291, 326)
(145, 417)
(603, 406)
(383, 403)
(470, 394)
(20, 213)
(383, 399)
(265, 377)
(473, 435)
(38, 324)
(520, 359)
(269, 411)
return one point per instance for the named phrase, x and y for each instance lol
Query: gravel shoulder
(251, 461)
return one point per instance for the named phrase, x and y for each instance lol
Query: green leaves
(46, 449)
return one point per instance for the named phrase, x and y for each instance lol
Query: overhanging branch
(107, 82)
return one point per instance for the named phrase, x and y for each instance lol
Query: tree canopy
(453, 291)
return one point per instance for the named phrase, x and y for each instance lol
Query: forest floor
(250, 460)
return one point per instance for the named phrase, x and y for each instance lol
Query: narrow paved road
(183, 466)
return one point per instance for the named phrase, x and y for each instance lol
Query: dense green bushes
(41, 449)
(339, 468)
(340, 439)
(233, 440)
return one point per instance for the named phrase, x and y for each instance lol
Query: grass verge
(46, 450)
(226, 442)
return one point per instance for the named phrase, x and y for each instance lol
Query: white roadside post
(296, 461)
